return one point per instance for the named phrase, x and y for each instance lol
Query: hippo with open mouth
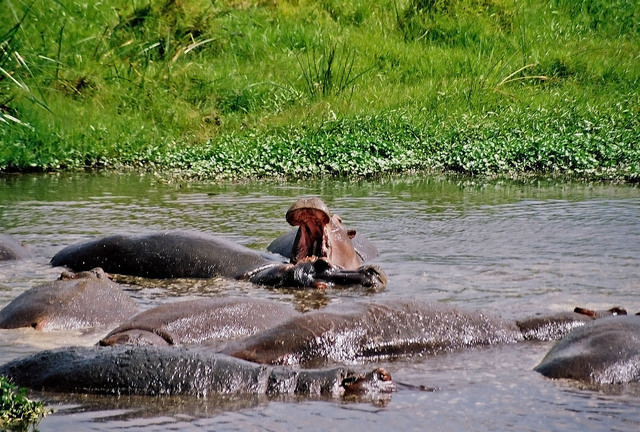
(165, 371)
(321, 235)
(180, 254)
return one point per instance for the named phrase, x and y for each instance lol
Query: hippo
(194, 321)
(359, 331)
(321, 234)
(12, 249)
(374, 329)
(167, 371)
(555, 326)
(182, 254)
(605, 351)
(364, 331)
(74, 301)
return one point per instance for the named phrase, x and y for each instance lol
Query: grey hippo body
(195, 321)
(181, 254)
(81, 300)
(12, 249)
(267, 331)
(546, 327)
(605, 351)
(158, 371)
(365, 331)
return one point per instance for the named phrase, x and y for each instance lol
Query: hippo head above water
(321, 235)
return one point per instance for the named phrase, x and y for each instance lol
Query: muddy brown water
(512, 248)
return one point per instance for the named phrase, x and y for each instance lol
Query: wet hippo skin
(194, 321)
(80, 300)
(605, 351)
(545, 327)
(352, 331)
(182, 254)
(364, 331)
(158, 371)
(12, 249)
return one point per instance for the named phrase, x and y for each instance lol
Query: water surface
(512, 248)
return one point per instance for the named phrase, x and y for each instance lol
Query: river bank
(235, 89)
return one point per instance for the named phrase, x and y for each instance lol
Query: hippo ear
(617, 311)
(351, 233)
(65, 275)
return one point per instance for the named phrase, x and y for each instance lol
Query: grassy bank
(329, 87)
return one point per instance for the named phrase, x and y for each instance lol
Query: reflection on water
(508, 247)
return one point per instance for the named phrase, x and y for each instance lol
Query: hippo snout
(374, 382)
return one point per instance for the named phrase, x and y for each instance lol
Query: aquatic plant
(17, 412)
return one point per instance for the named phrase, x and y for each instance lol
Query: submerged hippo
(321, 235)
(179, 254)
(364, 331)
(158, 371)
(194, 321)
(12, 249)
(348, 332)
(555, 326)
(86, 299)
(359, 331)
(605, 351)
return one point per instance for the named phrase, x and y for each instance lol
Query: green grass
(296, 88)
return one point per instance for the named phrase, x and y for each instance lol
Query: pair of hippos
(248, 346)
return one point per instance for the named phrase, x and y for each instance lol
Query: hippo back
(605, 351)
(165, 371)
(195, 321)
(175, 254)
(81, 300)
(359, 331)
(12, 249)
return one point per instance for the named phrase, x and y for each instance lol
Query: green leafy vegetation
(16, 411)
(234, 88)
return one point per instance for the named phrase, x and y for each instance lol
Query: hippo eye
(383, 375)
(34, 325)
